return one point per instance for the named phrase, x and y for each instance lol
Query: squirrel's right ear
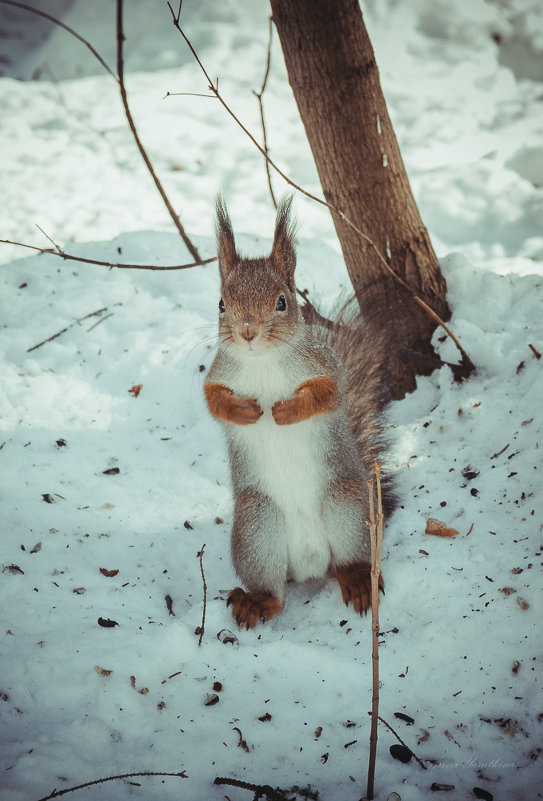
(226, 245)
(283, 255)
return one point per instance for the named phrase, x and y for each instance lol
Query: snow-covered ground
(461, 620)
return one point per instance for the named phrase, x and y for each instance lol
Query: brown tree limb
(258, 95)
(120, 73)
(467, 367)
(69, 257)
(61, 24)
(56, 793)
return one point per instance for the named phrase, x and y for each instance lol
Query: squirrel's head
(258, 306)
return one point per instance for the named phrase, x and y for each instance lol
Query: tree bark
(333, 74)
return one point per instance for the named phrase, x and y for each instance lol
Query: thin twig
(374, 575)
(467, 364)
(258, 95)
(56, 793)
(58, 22)
(200, 630)
(101, 320)
(397, 736)
(188, 94)
(120, 73)
(116, 265)
(120, 80)
(71, 325)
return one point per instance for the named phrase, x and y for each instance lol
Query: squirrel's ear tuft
(283, 255)
(226, 245)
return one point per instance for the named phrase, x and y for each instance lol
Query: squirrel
(299, 404)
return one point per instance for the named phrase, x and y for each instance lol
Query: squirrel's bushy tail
(362, 345)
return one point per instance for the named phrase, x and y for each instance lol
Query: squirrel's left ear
(226, 244)
(283, 255)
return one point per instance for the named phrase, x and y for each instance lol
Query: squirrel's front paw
(355, 584)
(245, 410)
(251, 608)
(291, 410)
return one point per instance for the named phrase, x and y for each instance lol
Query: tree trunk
(333, 74)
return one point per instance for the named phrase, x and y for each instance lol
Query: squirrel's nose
(249, 330)
(248, 334)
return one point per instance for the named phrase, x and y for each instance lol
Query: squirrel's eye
(281, 303)
(222, 307)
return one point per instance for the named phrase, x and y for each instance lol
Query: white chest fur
(287, 463)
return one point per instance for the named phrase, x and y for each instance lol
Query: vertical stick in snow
(376, 537)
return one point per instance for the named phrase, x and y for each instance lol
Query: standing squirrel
(302, 429)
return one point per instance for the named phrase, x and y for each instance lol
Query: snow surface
(463, 80)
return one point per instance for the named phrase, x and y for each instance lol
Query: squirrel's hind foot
(355, 584)
(251, 608)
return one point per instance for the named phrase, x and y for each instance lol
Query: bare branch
(258, 95)
(120, 72)
(188, 94)
(113, 265)
(467, 367)
(120, 80)
(56, 793)
(58, 22)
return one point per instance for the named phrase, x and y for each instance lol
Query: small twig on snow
(376, 535)
(101, 320)
(71, 325)
(56, 793)
(259, 790)
(397, 736)
(200, 629)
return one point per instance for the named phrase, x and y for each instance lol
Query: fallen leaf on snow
(13, 569)
(107, 623)
(108, 573)
(136, 389)
(439, 529)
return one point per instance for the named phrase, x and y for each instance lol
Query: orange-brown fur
(224, 405)
(316, 396)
